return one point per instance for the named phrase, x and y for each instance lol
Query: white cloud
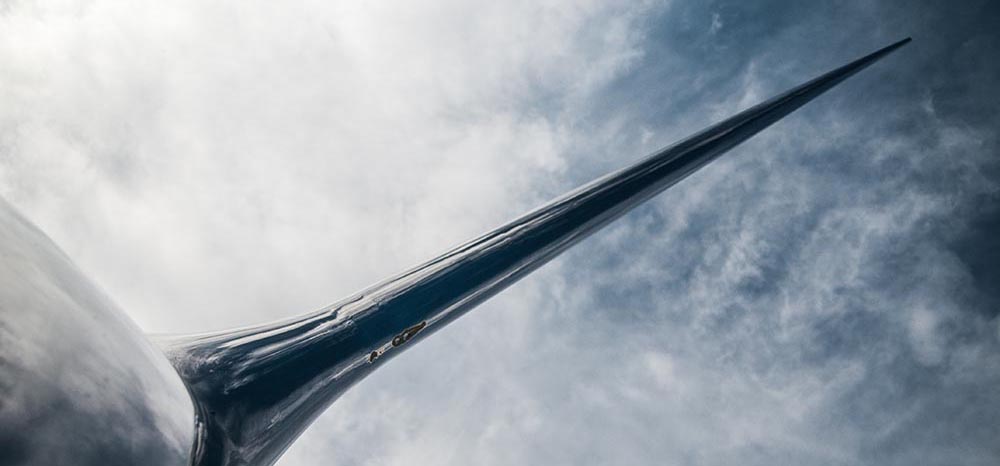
(226, 146)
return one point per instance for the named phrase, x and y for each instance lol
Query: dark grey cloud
(823, 294)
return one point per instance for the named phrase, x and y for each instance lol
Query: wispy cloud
(807, 299)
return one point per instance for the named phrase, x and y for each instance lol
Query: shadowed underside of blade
(257, 389)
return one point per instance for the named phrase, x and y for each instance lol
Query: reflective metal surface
(257, 389)
(79, 383)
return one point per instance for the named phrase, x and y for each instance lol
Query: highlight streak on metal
(257, 389)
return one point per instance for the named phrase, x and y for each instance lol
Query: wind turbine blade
(257, 389)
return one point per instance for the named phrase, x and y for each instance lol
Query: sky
(825, 293)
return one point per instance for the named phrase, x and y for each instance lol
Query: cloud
(812, 297)
(299, 132)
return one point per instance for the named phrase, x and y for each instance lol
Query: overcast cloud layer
(824, 294)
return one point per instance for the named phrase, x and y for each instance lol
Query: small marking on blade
(408, 334)
(403, 337)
